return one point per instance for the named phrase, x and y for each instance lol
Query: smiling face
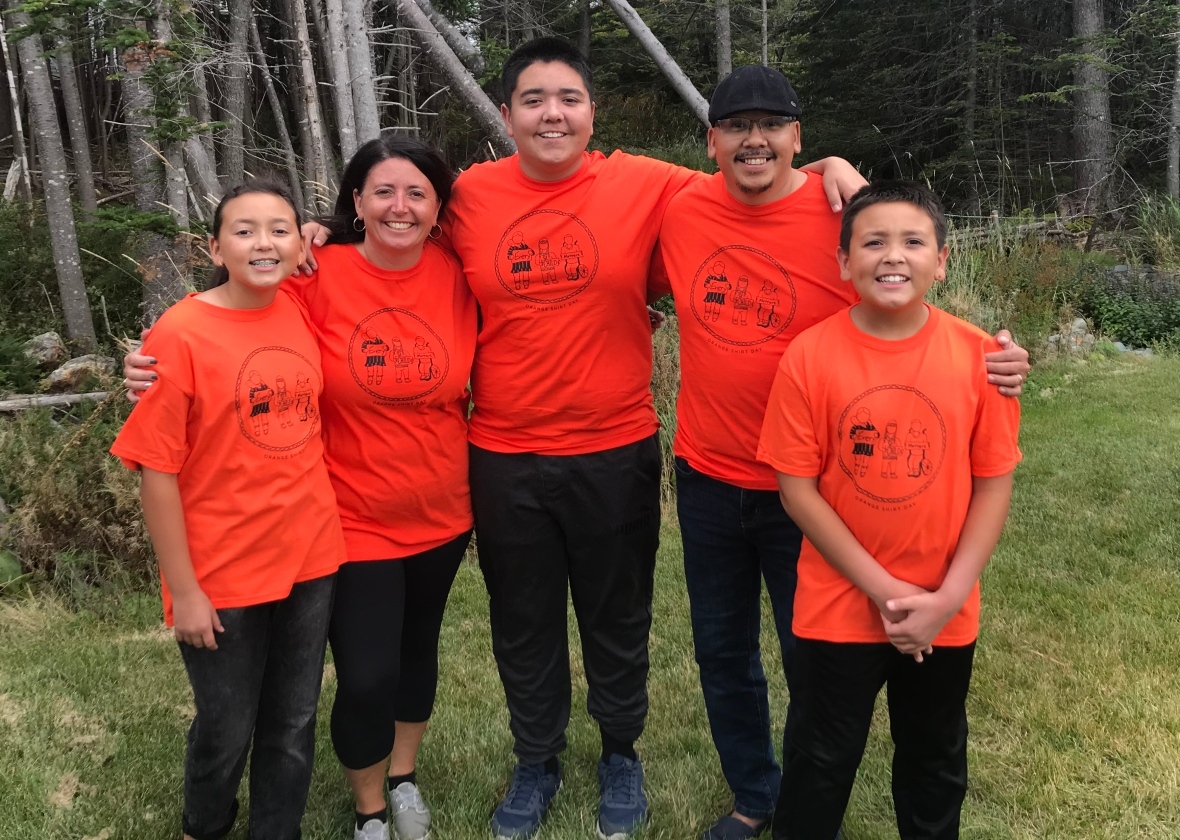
(551, 118)
(399, 207)
(258, 242)
(756, 166)
(893, 257)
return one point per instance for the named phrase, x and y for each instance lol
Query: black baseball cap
(754, 88)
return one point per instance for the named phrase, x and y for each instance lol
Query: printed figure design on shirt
(567, 257)
(864, 438)
(520, 255)
(401, 339)
(890, 450)
(735, 279)
(374, 350)
(547, 262)
(869, 458)
(283, 400)
(255, 399)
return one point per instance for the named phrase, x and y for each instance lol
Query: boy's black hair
(544, 50)
(879, 192)
(342, 222)
(262, 184)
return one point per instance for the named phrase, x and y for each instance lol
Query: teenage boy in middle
(759, 230)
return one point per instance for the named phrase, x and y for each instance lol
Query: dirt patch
(12, 710)
(67, 789)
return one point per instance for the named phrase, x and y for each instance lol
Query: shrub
(1138, 306)
(1155, 238)
(75, 521)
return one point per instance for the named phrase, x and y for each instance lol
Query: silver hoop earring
(360, 229)
(432, 233)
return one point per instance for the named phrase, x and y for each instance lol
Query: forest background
(1051, 129)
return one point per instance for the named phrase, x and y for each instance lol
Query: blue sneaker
(520, 814)
(622, 804)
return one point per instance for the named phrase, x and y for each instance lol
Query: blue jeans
(259, 688)
(733, 540)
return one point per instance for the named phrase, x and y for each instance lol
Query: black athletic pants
(583, 524)
(384, 636)
(832, 701)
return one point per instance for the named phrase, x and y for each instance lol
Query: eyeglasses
(742, 125)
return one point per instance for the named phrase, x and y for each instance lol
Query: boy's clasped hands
(913, 617)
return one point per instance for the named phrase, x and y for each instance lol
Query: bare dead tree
(59, 206)
(341, 76)
(668, 66)
(435, 47)
(24, 182)
(321, 169)
(1174, 126)
(360, 69)
(76, 122)
(280, 117)
(468, 53)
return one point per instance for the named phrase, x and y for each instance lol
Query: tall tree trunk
(59, 208)
(1174, 128)
(971, 96)
(321, 167)
(19, 153)
(279, 117)
(237, 68)
(477, 101)
(585, 25)
(341, 77)
(76, 121)
(668, 66)
(765, 36)
(1093, 137)
(175, 180)
(164, 274)
(468, 53)
(199, 154)
(360, 68)
(724, 41)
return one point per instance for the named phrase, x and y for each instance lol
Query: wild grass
(1075, 706)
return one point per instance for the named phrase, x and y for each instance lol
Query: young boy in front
(898, 530)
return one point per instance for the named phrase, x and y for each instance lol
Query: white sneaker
(374, 829)
(411, 817)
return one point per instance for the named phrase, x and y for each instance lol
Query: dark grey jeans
(261, 685)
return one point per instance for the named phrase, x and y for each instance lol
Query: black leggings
(384, 636)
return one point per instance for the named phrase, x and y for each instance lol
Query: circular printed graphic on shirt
(395, 355)
(277, 398)
(892, 441)
(546, 256)
(742, 296)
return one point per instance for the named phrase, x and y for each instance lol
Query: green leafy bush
(1140, 307)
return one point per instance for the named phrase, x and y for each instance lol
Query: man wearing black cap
(765, 228)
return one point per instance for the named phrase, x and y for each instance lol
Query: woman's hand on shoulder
(315, 235)
(137, 373)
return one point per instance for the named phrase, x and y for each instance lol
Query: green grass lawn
(1075, 707)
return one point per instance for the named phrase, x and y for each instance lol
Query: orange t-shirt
(746, 281)
(894, 430)
(397, 348)
(560, 271)
(235, 415)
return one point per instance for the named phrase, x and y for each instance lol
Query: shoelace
(526, 783)
(621, 785)
(408, 800)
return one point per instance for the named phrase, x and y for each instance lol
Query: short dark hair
(428, 161)
(262, 184)
(543, 50)
(881, 192)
